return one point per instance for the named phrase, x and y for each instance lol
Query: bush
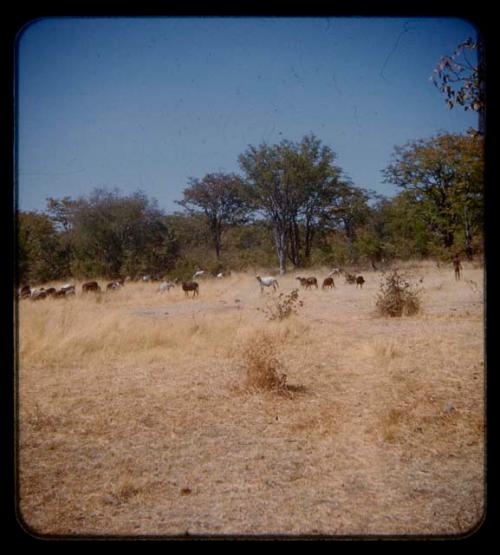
(283, 306)
(398, 297)
(259, 358)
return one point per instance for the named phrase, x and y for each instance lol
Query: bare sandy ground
(137, 420)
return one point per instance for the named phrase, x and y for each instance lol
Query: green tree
(348, 210)
(39, 254)
(221, 198)
(115, 235)
(289, 183)
(444, 175)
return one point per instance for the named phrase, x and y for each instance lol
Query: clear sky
(146, 103)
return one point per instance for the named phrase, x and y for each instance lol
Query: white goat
(67, 288)
(220, 275)
(165, 286)
(198, 274)
(267, 282)
(335, 272)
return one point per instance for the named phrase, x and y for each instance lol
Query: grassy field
(137, 417)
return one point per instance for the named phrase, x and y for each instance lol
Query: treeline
(292, 206)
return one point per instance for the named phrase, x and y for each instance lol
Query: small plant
(398, 297)
(259, 359)
(283, 305)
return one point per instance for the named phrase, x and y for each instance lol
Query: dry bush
(283, 306)
(398, 297)
(258, 357)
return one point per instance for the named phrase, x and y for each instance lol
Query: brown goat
(307, 283)
(90, 286)
(190, 286)
(25, 292)
(328, 282)
(359, 281)
(310, 281)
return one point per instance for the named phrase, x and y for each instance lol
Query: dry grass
(142, 413)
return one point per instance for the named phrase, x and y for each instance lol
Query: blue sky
(147, 103)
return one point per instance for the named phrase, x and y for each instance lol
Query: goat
(38, 294)
(25, 292)
(267, 282)
(67, 288)
(190, 286)
(359, 281)
(62, 293)
(308, 282)
(50, 292)
(165, 286)
(335, 272)
(220, 275)
(113, 286)
(328, 282)
(90, 286)
(198, 274)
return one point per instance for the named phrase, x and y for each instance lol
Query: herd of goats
(68, 289)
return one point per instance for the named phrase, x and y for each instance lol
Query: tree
(289, 183)
(444, 175)
(348, 210)
(221, 198)
(39, 255)
(115, 235)
(462, 80)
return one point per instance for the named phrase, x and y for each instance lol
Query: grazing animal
(328, 282)
(50, 291)
(220, 275)
(90, 286)
(68, 288)
(113, 286)
(38, 295)
(359, 281)
(61, 293)
(198, 274)
(302, 281)
(165, 286)
(25, 292)
(146, 278)
(335, 272)
(267, 282)
(190, 286)
(308, 282)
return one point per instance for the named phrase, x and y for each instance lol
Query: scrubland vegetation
(148, 413)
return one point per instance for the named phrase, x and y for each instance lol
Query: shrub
(282, 306)
(398, 297)
(259, 359)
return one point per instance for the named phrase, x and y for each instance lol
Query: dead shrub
(260, 361)
(283, 306)
(398, 297)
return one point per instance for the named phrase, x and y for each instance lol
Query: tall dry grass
(142, 413)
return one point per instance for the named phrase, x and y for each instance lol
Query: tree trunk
(280, 240)
(308, 241)
(294, 240)
(448, 239)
